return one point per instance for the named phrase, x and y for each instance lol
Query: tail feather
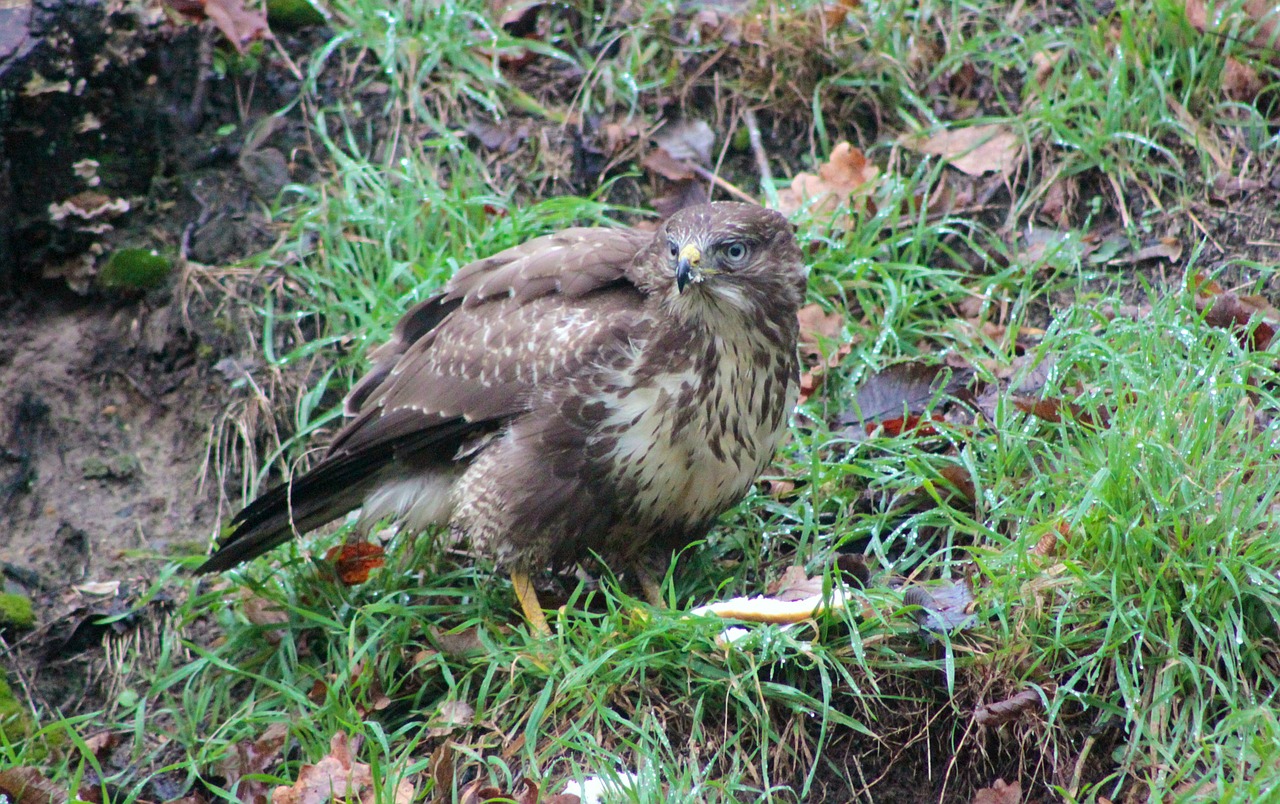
(336, 486)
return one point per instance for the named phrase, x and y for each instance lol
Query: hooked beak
(687, 267)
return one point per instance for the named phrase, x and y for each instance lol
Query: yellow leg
(529, 602)
(652, 592)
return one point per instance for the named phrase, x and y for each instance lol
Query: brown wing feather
(458, 363)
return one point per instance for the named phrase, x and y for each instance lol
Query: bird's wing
(500, 326)
(459, 363)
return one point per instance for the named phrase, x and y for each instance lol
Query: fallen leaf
(266, 613)
(846, 179)
(974, 150)
(457, 644)
(1226, 186)
(767, 609)
(451, 715)
(258, 756)
(778, 489)
(688, 139)
(1047, 544)
(795, 584)
(900, 392)
(1231, 20)
(99, 588)
(1252, 318)
(240, 25)
(480, 792)
(1240, 82)
(336, 777)
(660, 161)
(960, 480)
(26, 786)
(1044, 62)
(1008, 710)
(1051, 409)
(999, 793)
(1166, 248)
(944, 606)
(353, 561)
(818, 329)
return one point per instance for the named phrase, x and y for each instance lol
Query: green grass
(1151, 629)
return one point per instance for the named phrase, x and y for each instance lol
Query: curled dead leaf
(943, 607)
(845, 180)
(1001, 792)
(353, 561)
(1008, 710)
(974, 150)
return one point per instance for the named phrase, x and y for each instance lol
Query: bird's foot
(528, 598)
(652, 591)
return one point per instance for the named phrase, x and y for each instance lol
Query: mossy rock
(135, 269)
(15, 721)
(16, 612)
(284, 15)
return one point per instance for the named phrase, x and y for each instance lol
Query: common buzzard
(607, 390)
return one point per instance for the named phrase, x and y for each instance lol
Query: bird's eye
(735, 252)
(675, 250)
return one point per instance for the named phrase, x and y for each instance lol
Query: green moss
(135, 269)
(291, 14)
(16, 612)
(15, 721)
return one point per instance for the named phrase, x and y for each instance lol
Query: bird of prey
(600, 389)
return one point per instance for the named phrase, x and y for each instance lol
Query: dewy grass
(1153, 620)
(1164, 609)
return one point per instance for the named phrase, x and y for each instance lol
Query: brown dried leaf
(451, 715)
(239, 24)
(999, 793)
(457, 644)
(1240, 82)
(660, 161)
(974, 150)
(1253, 318)
(943, 607)
(817, 330)
(26, 786)
(689, 140)
(777, 488)
(1226, 186)
(961, 480)
(263, 612)
(256, 757)
(336, 777)
(901, 393)
(1008, 710)
(1262, 17)
(846, 179)
(1051, 410)
(479, 792)
(1166, 248)
(1044, 62)
(353, 561)
(1047, 545)
(794, 584)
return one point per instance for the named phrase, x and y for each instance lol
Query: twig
(722, 184)
(762, 159)
(204, 74)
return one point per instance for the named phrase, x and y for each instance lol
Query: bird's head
(730, 252)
